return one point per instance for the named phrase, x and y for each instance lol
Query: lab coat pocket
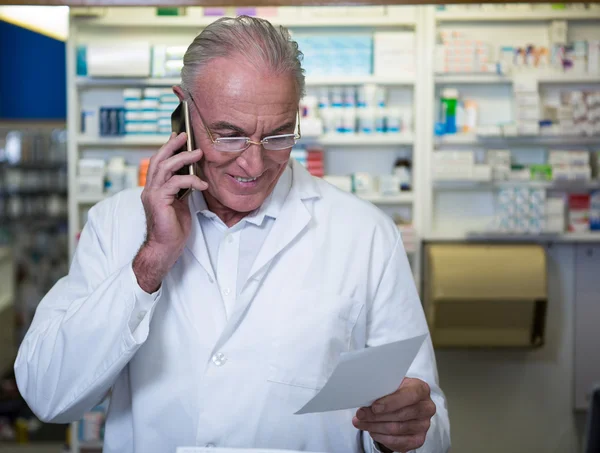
(313, 328)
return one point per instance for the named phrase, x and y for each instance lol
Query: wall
(33, 76)
(519, 401)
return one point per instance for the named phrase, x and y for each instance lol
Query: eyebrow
(224, 125)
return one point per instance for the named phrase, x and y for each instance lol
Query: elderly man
(212, 319)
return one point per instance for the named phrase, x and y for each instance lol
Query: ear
(179, 92)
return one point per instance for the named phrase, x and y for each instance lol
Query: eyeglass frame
(296, 136)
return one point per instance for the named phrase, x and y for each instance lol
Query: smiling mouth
(240, 179)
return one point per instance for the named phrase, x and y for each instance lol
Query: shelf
(593, 236)
(530, 237)
(40, 165)
(457, 79)
(528, 140)
(401, 198)
(359, 80)
(516, 16)
(107, 82)
(125, 140)
(90, 199)
(33, 192)
(126, 81)
(196, 22)
(566, 186)
(365, 139)
(496, 79)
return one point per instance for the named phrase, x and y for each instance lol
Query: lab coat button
(230, 239)
(219, 359)
(210, 279)
(226, 292)
(210, 446)
(141, 315)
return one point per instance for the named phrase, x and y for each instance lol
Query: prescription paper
(363, 376)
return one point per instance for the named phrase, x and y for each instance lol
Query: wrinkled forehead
(235, 80)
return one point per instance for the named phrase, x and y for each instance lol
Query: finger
(178, 182)
(410, 392)
(400, 443)
(175, 142)
(393, 428)
(168, 167)
(421, 410)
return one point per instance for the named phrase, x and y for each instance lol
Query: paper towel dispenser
(485, 295)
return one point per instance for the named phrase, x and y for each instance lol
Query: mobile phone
(180, 122)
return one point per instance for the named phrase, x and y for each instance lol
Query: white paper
(231, 450)
(362, 377)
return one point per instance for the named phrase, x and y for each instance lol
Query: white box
(125, 59)
(90, 185)
(482, 172)
(555, 223)
(555, 206)
(91, 167)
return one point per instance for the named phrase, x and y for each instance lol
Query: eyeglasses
(239, 144)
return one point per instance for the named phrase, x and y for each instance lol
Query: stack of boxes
(148, 111)
(570, 165)
(330, 55)
(167, 61)
(457, 54)
(90, 177)
(585, 107)
(527, 106)
(168, 102)
(500, 162)
(460, 166)
(521, 210)
(555, 214)
(312, 159)
(394, 53)
(579, 213)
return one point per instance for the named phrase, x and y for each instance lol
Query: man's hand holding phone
(168, 219)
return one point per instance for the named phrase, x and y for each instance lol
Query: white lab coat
(332, 276)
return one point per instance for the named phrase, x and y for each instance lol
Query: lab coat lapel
(196, 243)
(291, 221)
(293, 218)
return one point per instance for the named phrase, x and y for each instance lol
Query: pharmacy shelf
(490, 236)
(99, 82)
(196, 22)
(401, 198)
(517, 16)
(467, 79)
(107, 82)
(360, 80)
(88, 200)
(366, 139)
(531, 237)
(124, 140)
(557, 78)
(565, 186)
(525, 140)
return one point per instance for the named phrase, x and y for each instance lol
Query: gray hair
(256, 40)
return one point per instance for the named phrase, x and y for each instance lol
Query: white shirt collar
(271, 207)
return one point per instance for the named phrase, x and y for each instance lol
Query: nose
(252, 160)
